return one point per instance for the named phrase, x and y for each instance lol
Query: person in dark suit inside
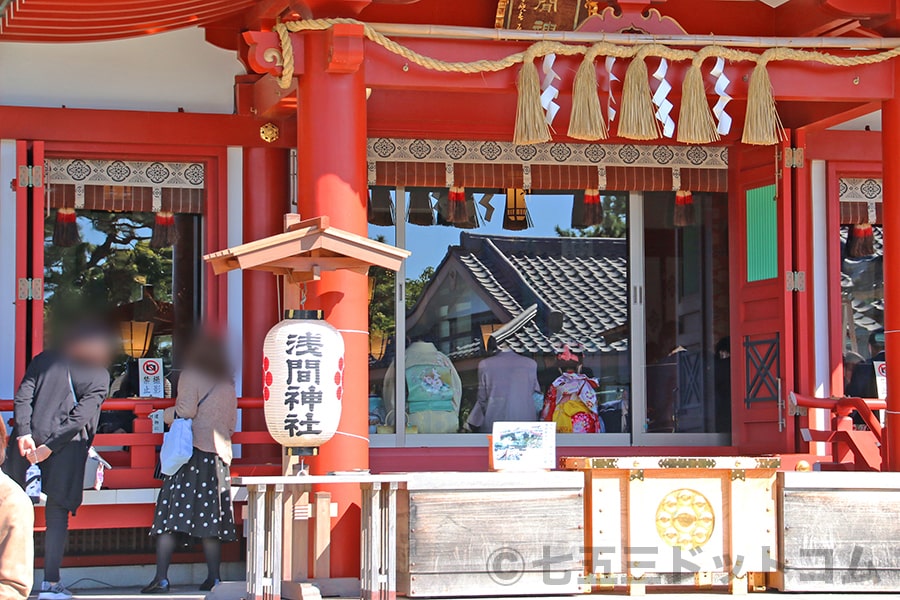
(56, 409)
(863, 383)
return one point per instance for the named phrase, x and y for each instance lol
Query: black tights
(55, 540)
(165, 548)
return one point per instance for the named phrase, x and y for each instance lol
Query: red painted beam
(864, 146)
(262, 96)
(85, 126)
(860, 8)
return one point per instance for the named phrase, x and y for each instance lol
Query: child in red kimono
(571, 400)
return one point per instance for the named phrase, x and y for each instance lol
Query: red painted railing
(134, 465)
(851, 449)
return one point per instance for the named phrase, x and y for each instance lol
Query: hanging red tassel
(457, 211)
(65, 229)
(684, 209)
(593, 208)
(861, 241)
(163, 230)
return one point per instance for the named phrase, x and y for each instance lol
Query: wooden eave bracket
(307, 249)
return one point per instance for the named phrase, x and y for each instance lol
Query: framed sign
(151, 379)
(881, 378)
(541, 15)
(523, 446)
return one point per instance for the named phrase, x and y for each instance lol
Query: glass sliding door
(630, 303)
(680, 336)
(527, 282)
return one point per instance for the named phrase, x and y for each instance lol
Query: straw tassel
(762, 127)
(163, 230)
(65, 229)
(861, 241)
(638, 113)
(531, 123)
(684, 209)
(586, 122)
(696, 124)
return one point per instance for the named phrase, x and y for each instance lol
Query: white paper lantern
(303, 376)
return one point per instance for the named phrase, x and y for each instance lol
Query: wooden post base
(300, 591)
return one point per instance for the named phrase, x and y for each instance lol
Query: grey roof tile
(584, 279)
(861, 280)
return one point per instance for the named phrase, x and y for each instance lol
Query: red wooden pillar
(332, 182)
(266, 199)
(891, 159)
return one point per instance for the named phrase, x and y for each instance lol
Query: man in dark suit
(56, 408)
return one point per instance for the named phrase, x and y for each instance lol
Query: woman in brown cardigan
(196, 501)
(16, 536)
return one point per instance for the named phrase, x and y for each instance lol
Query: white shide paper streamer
(549, 91)
(611, 105)
(661, 100)
(722, 82)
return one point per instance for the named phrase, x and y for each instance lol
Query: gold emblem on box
(685, 519)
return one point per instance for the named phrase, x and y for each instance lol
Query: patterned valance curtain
(162, 188)
(546, 167)
(125, 186)
(860, 200)
(549, 177)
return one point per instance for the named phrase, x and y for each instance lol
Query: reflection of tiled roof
(580, 286)
(862, 283)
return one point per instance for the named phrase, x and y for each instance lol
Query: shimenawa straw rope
(762, 124)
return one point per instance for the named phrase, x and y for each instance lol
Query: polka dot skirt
(197, 500)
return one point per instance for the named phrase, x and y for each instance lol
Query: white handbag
(94, 466)
(178, 443)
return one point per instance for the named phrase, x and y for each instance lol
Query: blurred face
(96, 351)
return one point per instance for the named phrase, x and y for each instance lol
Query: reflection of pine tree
(106, 269)
(381, 307)
(415, 287)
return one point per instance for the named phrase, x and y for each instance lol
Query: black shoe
(209, 584)
(157, 587)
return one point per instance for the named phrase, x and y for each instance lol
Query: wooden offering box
(841, 532)
(490, 534)
(674, 521)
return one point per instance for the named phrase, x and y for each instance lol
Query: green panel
(762, 234)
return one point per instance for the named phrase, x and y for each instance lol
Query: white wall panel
(158, 72)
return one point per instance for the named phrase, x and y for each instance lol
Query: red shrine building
(692, 195)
